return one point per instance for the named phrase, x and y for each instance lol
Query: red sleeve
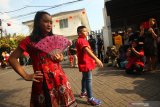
(141, 53)
(83, 43)
(23, 44)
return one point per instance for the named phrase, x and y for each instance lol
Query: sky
(94, 9)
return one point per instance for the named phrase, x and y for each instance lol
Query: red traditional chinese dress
(54, 89)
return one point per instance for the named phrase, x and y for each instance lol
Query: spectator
(150, 45)
(118, 40)
(112, 54)
(107, 55)
(135, 56)
(92, 43)
(100, 47)
(128, 37)
(122, 59)
(73, 55)
(25, 58)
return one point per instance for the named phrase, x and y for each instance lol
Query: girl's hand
(34, 77)
(150, 30)
(154, 35)
(57, 57)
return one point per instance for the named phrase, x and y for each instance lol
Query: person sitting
(135, 56)
(107, 55)
(122, 60)
(114, 56)
(111, 56)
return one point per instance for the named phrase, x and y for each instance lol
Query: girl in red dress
(50, 86)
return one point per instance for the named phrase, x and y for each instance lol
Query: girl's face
(152, 22)
(46, 23)
(134, 44)
(84, 32)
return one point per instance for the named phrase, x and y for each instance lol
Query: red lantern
(70, 17)
(57, 20)
(8, 24)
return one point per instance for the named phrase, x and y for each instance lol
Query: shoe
(76, 66)
(94, 102)
(82, 95)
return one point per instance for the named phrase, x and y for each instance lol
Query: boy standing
(86, 63)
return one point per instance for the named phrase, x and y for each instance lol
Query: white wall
(73, 23)
(107, 34)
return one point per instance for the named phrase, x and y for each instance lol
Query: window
(63, 23)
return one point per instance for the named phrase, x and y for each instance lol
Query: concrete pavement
(112, 86)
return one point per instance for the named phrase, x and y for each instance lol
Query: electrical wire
(27, 6)
(15, 17)
(15, 10)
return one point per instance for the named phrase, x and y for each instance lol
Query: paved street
(113, 87)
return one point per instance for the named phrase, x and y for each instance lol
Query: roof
(67, 12)
(58, 14)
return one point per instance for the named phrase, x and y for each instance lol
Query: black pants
(100, 55)
(135, 69)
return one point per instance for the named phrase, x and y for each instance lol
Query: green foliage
(10, 42)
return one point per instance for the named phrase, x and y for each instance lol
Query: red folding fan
(53, 44)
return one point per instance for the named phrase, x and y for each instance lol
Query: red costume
(54, 90)
(85, 62)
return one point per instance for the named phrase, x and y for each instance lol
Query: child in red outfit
(50, 86)
(86, 63)
(70, 58)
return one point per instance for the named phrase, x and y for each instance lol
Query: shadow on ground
(145, 85)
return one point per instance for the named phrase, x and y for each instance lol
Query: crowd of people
(4, 59)
(134, 50)
(24, 59)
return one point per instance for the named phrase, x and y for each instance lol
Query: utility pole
(1, 27)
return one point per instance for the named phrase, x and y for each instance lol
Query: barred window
(63, 23)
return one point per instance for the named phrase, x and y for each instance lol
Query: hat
(113, 33)
(120, 31)
(140, 43)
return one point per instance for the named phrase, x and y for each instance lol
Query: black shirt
(100, 44)
(92, 43)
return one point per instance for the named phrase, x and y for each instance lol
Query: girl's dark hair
(79, 29)
(36, 34)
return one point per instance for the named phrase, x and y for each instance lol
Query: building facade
(66, 23)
